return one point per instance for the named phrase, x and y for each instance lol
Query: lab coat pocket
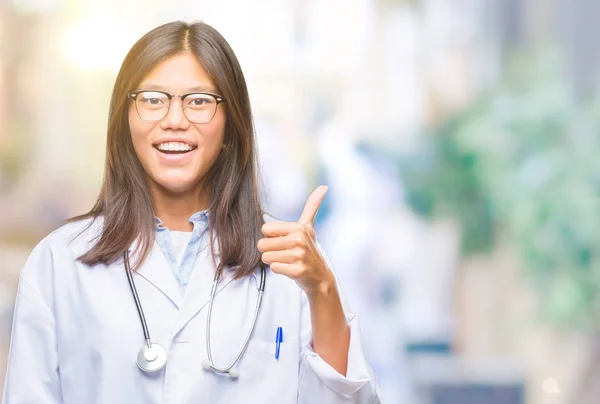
(263, 375)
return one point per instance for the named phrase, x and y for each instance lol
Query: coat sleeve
(318, 382)
(32, 374)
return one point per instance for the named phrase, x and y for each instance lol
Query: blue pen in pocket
(278, 341)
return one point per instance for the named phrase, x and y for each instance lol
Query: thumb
(312, 206)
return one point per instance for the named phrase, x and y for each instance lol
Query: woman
(118, 305)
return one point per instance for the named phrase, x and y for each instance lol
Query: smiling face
(174, 152)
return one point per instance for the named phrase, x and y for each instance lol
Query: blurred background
(458, 138)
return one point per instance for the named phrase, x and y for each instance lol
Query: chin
(175, 187)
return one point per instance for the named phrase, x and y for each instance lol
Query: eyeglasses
(153, 105)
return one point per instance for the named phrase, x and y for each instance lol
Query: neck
(174, 210)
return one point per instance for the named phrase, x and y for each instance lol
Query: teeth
(174, 146)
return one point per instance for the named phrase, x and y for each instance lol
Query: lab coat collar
(156, 271)
(155, 268)
(197, 295)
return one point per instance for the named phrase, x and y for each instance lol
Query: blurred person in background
(180, 195)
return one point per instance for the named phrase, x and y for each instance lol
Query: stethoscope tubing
(136, 297)
(261, 290)
(211, 365)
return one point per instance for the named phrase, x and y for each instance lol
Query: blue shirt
(198, 242)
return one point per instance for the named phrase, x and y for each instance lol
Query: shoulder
(65, 243)
(75, 235)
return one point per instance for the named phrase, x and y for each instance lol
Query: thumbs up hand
(290, 249)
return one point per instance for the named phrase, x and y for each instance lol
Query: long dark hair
(234, 212)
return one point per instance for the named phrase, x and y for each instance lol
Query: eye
(199, 101)
(152, 98)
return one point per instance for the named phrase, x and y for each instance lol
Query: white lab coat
(76, 334)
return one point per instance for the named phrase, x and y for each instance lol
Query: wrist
(325, 290)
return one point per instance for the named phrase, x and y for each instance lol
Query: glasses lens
(152, 105)
(199, 108)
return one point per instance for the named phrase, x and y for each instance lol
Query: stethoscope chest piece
(152, 358)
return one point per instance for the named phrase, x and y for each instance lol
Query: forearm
(331, 333)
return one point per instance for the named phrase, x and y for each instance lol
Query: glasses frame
(133, 96)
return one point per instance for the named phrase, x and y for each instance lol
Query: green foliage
(522, 163)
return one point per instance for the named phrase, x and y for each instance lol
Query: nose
(175, 118)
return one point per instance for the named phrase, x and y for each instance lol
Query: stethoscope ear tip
(232, 373)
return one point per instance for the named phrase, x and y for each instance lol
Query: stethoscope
(152, 356)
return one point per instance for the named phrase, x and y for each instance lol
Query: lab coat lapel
(197, 294)
(157, 271)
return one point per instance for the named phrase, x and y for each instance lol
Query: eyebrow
(151, 86)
